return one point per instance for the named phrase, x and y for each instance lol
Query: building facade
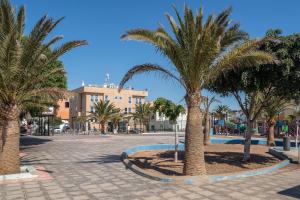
(63, 110)
(162, 123)
(82, 103)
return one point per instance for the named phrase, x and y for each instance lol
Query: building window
(129, 110)
(92, 108)
(129, 99)
(106, 98)
(116, 97)
(92, 97)
(138, 100)
(67, 104)
(96, 97)
(125, 110)
(120, 97)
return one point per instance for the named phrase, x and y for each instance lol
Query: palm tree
(221, 111)
(199, 50)
(81, 120)
(104, 111)
(207, 103)
(142, 113)
(23, 72)
(115, 121)
(275, 106)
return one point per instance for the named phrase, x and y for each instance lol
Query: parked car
(135, 131)
(61, 128)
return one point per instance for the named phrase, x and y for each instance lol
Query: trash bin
(286, 143)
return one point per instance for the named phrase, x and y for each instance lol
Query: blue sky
(103, 22)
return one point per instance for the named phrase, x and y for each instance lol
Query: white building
(162, 123)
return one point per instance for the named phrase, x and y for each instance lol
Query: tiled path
(89, 167)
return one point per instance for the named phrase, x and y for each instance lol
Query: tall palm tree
(23, 70)
(142, 114)
(199, 51)
(207, 103)
(104, 111)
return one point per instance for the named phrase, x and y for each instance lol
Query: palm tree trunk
(9, 155)
(194, 163)
(247, 144)
(207, 130)
(102, 128)
(271, 137)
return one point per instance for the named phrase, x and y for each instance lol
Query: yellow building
(82, 103)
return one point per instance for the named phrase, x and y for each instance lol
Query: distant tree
(81, 120)
(104, 112)
(199, 50)
(221, 111)
(273, 108)
(168, 109)
(143, 114)
(115, 121)
(24, 71)
(207, 102)
(171, 111)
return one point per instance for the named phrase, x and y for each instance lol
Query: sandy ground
(220, 158)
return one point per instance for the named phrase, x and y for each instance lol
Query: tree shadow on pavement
(291, 192)
(106, 158)
(29, 160)
(27, 142)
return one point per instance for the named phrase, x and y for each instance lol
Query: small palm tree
(142, 114)
(115, 121)
(221, 111)
(81, 120)
(199, 50)
(207, 103)
(275, 106)
(23, 71)
(104, 111)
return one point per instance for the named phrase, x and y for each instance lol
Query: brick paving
(89, 167)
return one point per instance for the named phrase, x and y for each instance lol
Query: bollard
(286, 143)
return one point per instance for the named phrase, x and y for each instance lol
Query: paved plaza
(89, 167)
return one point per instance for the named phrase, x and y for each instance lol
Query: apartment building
(82, 103)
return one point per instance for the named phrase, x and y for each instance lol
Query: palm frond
(145, 68)
(243, 56)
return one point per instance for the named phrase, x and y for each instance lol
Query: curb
(194, 180)
(27, 172)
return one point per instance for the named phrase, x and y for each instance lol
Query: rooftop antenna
(82, 83)
(106, 79)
